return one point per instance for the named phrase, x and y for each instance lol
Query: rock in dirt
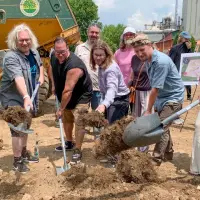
(92, 119)
(1, 144)
(110, 141)
(27, 197)
(134, 166)
(16, 115)
(1, 172)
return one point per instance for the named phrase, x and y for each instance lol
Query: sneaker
(189, 98)
(76, 156)
(29, 158)
(20, 167)
(68, 146)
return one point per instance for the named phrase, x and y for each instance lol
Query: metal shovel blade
(149, 138)
(60, 170)
(21, 128)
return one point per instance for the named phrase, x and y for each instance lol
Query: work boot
(29, 158)
(76, 157)
(20, 166)
(69, 145)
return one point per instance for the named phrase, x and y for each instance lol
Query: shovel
(22, 127)
(147, 130)
(66, 166)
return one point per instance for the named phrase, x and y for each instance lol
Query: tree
(111, 34)
(85, 12)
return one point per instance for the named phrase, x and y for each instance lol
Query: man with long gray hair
(22, 69)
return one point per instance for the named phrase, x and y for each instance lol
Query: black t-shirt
(82, 91)
(143, 82)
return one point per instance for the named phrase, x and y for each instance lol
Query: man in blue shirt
(167, 93)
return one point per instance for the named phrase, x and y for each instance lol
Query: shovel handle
(33, 95)
(180, 112)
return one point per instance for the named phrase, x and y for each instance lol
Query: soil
(110, 141)
(95, 180)
(134, 166)
(92, 119)
(1, 144)
(16, 115)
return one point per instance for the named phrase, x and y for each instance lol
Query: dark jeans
(165, 144)
(189, 90)
(96, 97)
(118, 109)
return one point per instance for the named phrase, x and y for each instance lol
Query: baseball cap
(185, 34)
(129, 29)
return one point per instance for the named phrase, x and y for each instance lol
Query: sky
(136, 13)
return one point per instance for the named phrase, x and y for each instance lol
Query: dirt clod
(134, 166)
(1, 144)
(16, 115)
(92, 119)
(110, 141)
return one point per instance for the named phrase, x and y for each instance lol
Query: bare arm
(152, 98)
(41, 78)
(52, 81)
(72, 78)
(21, 87)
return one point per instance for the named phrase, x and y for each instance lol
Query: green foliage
(193, 41)
(111, 34)
(85, 12)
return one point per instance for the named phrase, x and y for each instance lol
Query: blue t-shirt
(33, 68)
(163, 75)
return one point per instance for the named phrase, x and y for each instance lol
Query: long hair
(100, 44)
(13, 36)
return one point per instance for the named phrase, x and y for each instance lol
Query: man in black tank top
(73, 87)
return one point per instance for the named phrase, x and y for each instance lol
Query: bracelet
(26, 96)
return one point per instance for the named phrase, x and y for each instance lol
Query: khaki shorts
(71, 116)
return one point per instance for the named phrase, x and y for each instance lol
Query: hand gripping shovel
(66, 166)
(22, 127)
(147, 130)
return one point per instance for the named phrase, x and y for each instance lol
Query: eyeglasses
(24, 40)
(61, 52)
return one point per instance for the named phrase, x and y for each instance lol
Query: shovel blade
(149, 138)
(61, 170)
(21, 128)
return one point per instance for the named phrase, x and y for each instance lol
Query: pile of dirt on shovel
(110, 141)
(135, 166)
(16, 115)
(92, 119)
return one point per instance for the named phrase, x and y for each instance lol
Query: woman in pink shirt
(124, 54)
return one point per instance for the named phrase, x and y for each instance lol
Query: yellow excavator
(48, 19)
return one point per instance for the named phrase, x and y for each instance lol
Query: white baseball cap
(129, 29)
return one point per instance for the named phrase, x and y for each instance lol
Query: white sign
(190, 68)
(29, 8)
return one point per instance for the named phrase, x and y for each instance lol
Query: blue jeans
(96, 97)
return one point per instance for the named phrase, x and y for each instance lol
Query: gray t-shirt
(163, 75)
(15, 64)
(111, 84)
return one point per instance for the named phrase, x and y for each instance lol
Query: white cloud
(137, 20)
(102, 4)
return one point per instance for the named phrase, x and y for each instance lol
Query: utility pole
(176, 15)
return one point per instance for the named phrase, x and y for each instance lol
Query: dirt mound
(92, 119)
(110, 141)
(80, 176)
(1, 144)
(16, 115)
(134, 166)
